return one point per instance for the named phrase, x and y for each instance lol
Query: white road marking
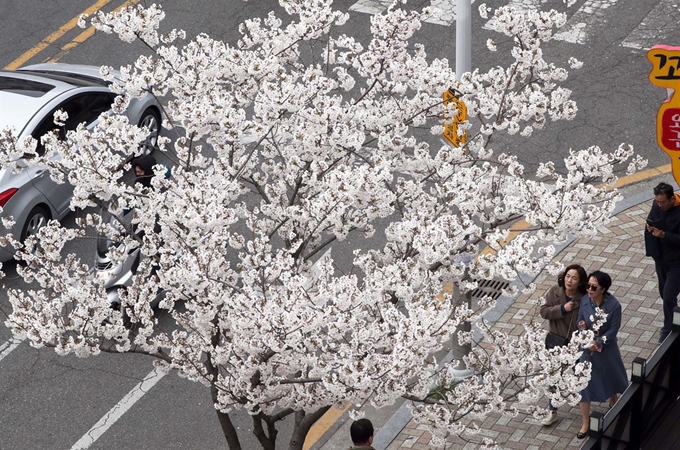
(118, 410)
(655, 27)
(7, 347)
(592, 15)
(520, 5)
(371, 6)
(443, 11)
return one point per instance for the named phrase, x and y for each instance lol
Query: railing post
(596, 427)
(638, 422)
(639, 372)
(674, 381)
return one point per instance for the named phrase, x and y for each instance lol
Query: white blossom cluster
(297, 140)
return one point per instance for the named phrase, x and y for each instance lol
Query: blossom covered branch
(284, 149)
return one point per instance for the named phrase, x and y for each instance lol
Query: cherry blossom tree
(296, 140)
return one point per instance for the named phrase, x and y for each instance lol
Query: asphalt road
(52, 402)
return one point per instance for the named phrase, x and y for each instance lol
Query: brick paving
(618, 250)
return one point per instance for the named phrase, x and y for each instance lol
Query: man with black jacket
(143, 167)
(662, 242)
(361, 432)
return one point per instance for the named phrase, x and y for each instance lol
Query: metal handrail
(629, 421)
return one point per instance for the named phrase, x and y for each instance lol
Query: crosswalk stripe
(591, 15)
(655, 26)
(654, 29)
(443, 11)
(520, 5)
(371, 6)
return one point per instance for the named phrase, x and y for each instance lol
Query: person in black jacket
(662, 242)
(362, 433)
(143, 167)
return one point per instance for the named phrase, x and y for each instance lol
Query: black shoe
(580, 435)
(662, 336)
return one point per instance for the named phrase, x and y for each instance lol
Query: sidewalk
(618, 250)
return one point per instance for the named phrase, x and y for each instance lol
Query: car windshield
(24, 87)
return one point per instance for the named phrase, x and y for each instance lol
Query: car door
(84, 107)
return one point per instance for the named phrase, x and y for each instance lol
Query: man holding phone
(662, 243)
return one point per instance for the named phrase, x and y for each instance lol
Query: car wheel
(36, 219)
(152, 121)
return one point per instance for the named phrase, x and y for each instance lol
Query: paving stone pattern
(618, 250)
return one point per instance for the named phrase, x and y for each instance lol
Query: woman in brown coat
(561, 306)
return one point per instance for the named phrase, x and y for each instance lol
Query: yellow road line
(323, 424)
(68, 26)
(641, 176)
(82, 37)
(85, 35)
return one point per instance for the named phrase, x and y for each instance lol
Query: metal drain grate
(491, 288)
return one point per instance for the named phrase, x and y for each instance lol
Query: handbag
(555, 340)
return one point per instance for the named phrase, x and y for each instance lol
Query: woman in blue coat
(608, 376)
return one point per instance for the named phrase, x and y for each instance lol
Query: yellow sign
(451, 130)
(666, 73)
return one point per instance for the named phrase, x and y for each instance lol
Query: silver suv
(29, 97)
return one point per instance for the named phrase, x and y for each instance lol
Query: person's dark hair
(664, 189)
(146, 163)
(603, 279)
(582, 277)
(361, 431)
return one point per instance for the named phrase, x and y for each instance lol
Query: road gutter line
(119, 409)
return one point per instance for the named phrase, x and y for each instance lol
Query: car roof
(24, 94)
(85, 71)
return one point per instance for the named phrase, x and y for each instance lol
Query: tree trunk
(228, 429)
(266, 440)
(303, 422)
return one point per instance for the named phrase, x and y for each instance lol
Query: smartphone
(653, 222)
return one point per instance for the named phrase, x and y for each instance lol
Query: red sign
(670, 129)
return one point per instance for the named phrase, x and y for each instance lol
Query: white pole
(463, 64)
(463, 37)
